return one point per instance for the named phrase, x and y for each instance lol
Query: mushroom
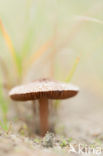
(43, 90)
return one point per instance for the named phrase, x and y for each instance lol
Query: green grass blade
(3, 107)
(71, 73)
(27, 44)
(3, 103)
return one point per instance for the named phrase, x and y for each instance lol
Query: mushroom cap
(43, 88)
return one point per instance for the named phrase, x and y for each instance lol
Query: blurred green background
(61, 39)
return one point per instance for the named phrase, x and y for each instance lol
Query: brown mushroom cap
(43, 88)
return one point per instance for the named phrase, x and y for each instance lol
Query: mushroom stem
(44, 111)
